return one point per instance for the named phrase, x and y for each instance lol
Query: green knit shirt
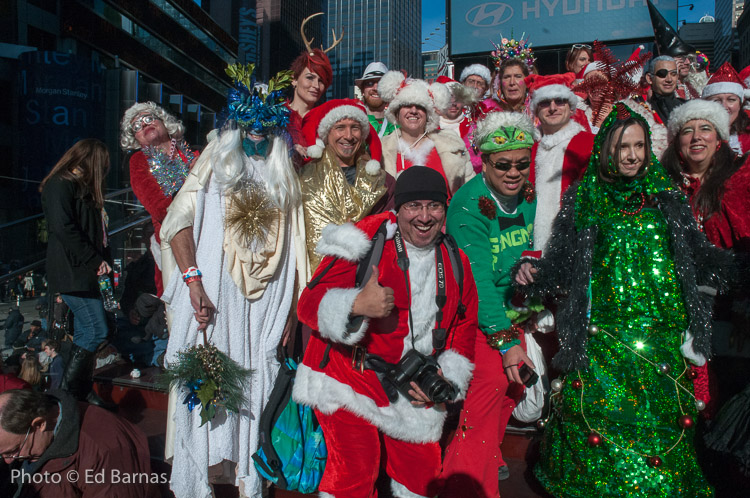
(493, 246)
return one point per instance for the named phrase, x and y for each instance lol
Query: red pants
(354, 455)
(473, 455)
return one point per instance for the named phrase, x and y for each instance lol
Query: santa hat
(550, 87)
(725, 80)
(594, 66)
(320, 120)
(476, 70)
(713, 112)
(399, 91)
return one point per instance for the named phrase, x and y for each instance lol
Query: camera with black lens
(423, 370)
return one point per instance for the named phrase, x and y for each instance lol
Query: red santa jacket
(557, 161)
(337, 384)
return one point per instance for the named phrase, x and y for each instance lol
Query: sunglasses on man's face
(546, 103)
(662, 73)
(507, 166)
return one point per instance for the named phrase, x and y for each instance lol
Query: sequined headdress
(513, 49)
(597, 199)
(255, 107)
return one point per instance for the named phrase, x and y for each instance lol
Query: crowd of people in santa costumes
(465, 186)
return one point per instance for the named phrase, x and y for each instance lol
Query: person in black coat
(13, 326)
(77, 252)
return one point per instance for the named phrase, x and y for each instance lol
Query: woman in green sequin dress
(630, 323)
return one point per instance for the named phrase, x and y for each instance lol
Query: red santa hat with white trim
(399, 91)
(320, 120)
(725, 80)
(554, 86)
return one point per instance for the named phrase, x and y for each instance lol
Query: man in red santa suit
(560, 157)
(417, 305)
(413, 104)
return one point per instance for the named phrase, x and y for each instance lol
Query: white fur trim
(457, 369)
(390, 229)
(418, 155)
(594, 66)
(372, 167)
(477, 70)
(548, 166)
(545, 321)
(399, 92)
(549, 92)
(400, 420)
(343, 241)
(699, 109)
(401, 491)
(494, 120)
(659, 140)
(343, 112)
(688, 352)
(323, 494)
(334, 313)
(441, 96)
(316, 151)
(723, 87)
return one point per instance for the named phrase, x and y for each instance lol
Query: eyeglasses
(506, 166)
(662, 73)
(417, 207)
(581, 45)
(546, 103)
(141, 121)
(16, 455)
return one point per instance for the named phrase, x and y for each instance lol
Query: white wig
(174, 127)
(230, 164)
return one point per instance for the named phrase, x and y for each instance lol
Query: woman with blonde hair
(78, 253)
(31, 371)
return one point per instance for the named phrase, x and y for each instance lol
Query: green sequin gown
(636, 297)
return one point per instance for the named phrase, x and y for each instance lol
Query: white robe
(248, 331)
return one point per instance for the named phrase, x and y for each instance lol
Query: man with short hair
(662, 75)
(52, 349)
(560, 158)
(416, 305)
(368, 85)
(344, 182)
(73, 449)
(478, 78)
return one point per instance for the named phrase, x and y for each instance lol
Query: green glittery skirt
(625, 426)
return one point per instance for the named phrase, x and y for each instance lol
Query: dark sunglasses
(546, 103)
(581, 45)
(506, 166)
(662, 73)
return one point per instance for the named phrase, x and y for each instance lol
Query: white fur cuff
(334, 316)
(688, 352)
(401, 491)
(457, 369)
(343, 241)
(372, 167)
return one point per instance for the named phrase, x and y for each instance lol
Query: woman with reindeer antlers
(312, 75)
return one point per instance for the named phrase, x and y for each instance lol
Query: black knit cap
(420, 183)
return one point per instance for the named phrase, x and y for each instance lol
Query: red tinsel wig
(317, 62)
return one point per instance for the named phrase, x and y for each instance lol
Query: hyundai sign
(474, 24)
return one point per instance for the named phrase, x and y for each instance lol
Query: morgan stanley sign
(477, 23)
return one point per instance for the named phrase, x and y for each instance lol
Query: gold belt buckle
(358, 357)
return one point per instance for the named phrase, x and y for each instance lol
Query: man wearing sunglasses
(492, 220)
(72, 449)
(662, 75)
(561, 156)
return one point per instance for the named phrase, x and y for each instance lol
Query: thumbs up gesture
(374, 301)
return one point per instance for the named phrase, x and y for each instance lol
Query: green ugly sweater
(493, 241)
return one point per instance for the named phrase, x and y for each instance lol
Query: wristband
(191, 272)
(195, 278)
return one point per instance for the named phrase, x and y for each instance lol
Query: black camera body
(423, 370)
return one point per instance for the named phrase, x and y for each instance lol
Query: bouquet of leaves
(214, 381)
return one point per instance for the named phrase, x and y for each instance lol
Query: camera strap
(402, 260)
